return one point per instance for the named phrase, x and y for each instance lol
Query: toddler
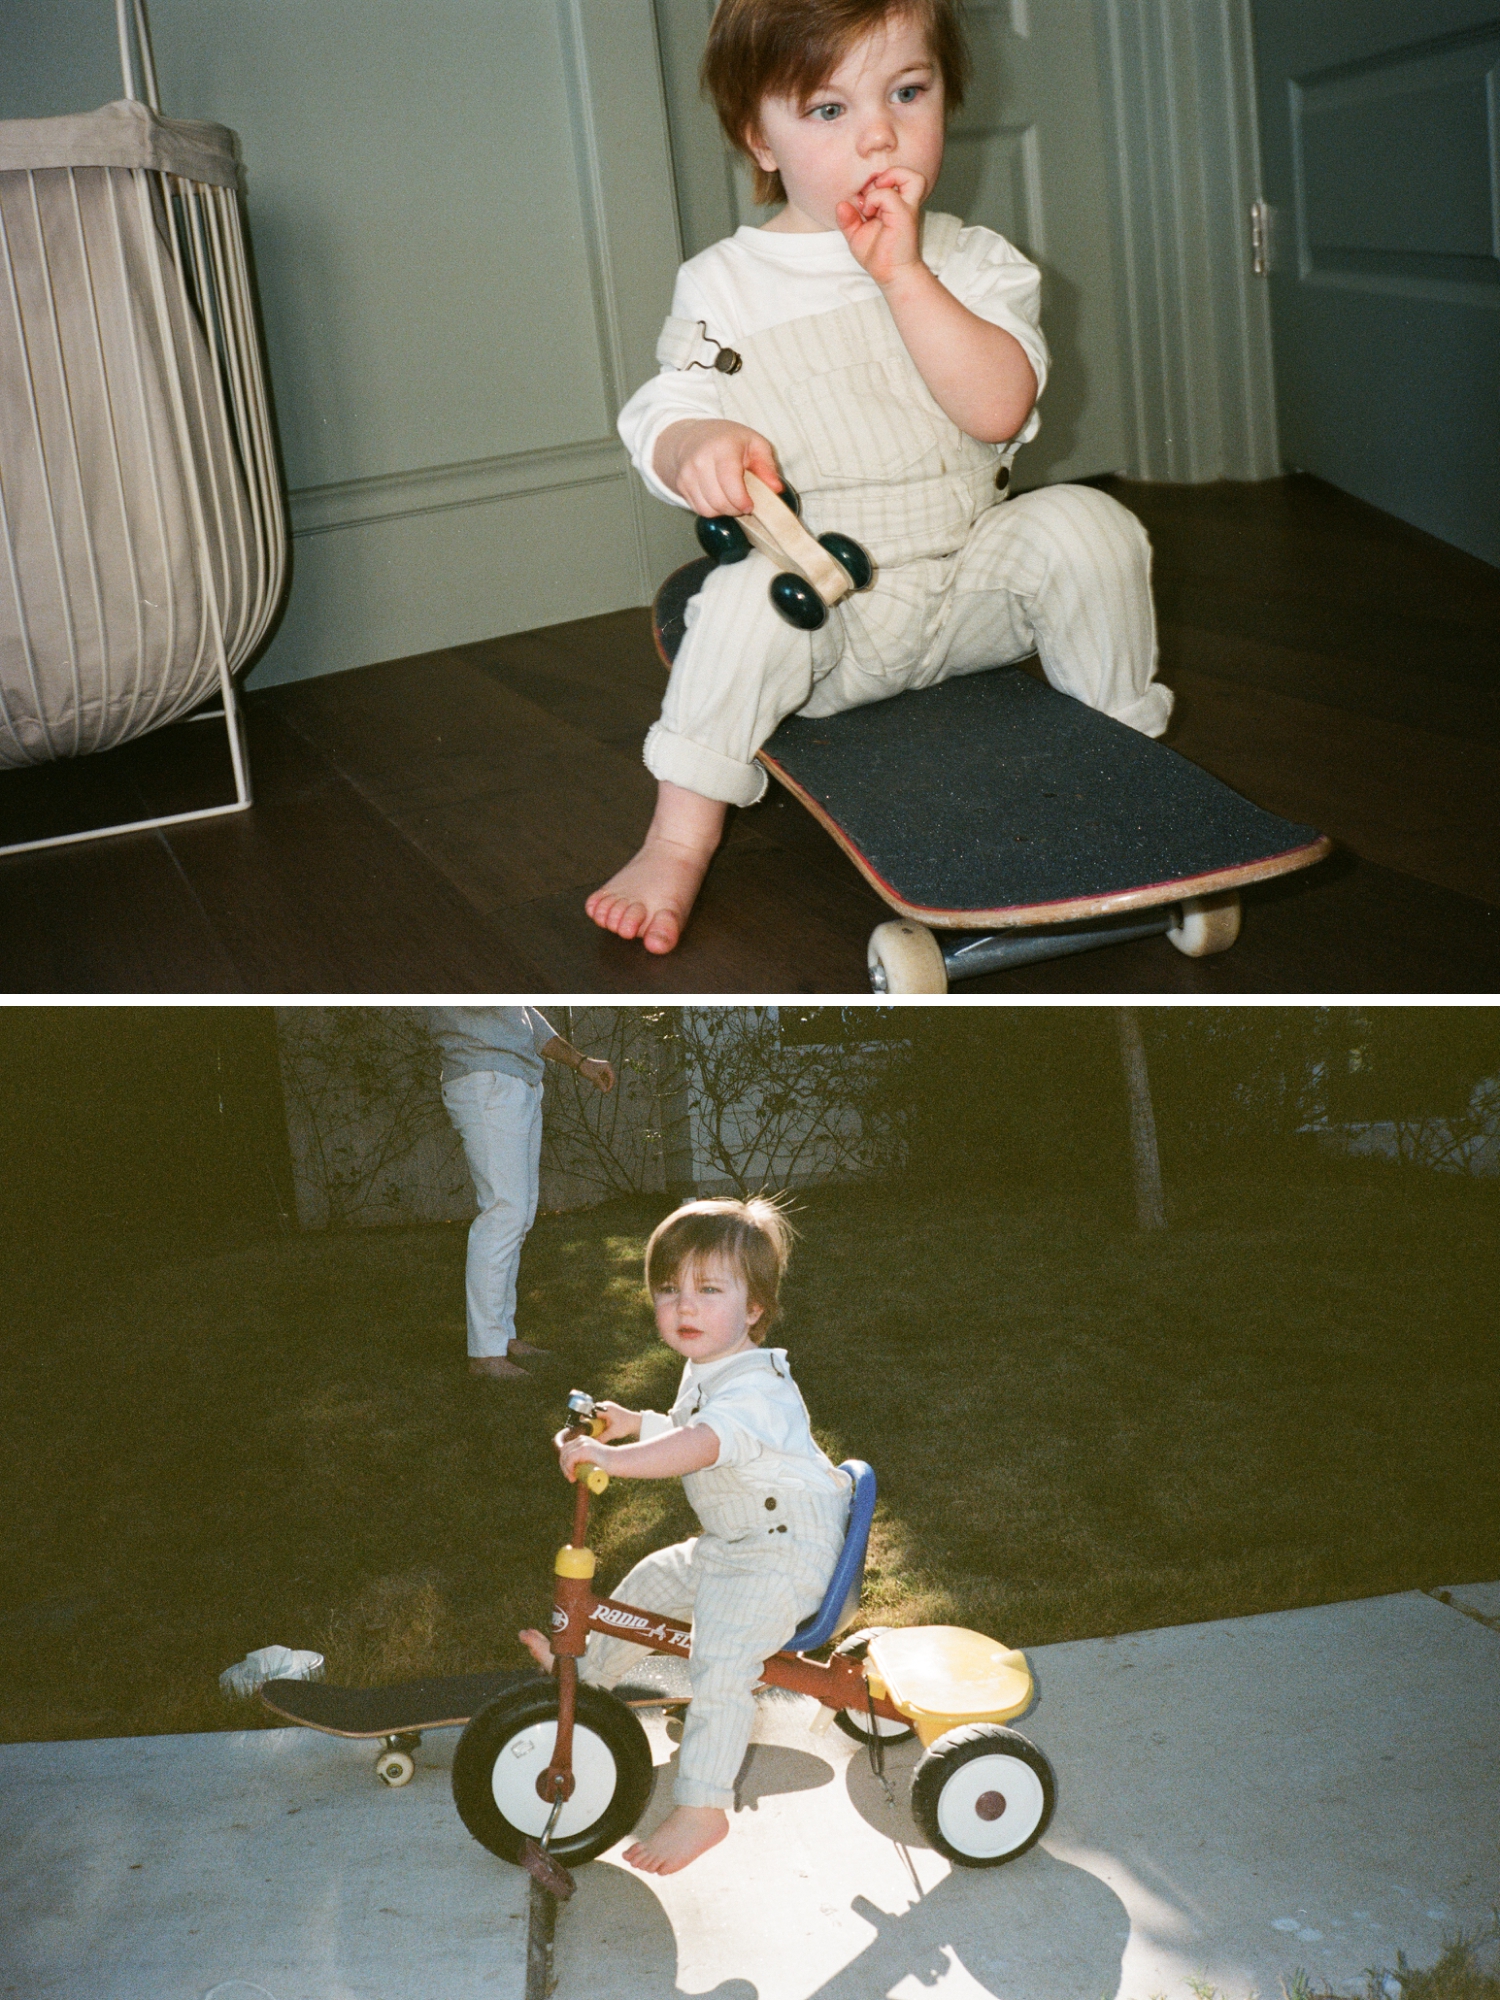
(890, 364)
(773, 1507)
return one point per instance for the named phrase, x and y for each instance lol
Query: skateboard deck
(444, 1702)
(993, 802)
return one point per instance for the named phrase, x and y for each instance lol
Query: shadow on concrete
(827, 1890)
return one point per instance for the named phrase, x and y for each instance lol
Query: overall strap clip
(687, 343)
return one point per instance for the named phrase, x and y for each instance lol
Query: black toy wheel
(855, 1722)
(797, 601)
(983, 1795)
(848, 554)
(722, 537)
(507, 1747)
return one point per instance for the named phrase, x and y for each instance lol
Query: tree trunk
(1145, 1161)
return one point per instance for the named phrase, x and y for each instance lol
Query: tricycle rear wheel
(983, 1794)
(855, 1722)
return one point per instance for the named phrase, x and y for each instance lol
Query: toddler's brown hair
(753, 1237)
(787, 48)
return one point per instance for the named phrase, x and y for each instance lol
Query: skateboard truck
(907, 957)
(814, 574)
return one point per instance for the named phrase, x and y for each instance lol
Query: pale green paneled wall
(456, 295)
(465, 234)
(418, 224)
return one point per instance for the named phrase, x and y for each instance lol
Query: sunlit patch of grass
(1077, 1430)
(1467, 1968)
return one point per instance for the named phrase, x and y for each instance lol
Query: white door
(1027, 156)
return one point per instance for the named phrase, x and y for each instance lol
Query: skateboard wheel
(797, 601)
(792, 498)
(906, 958)
(848, 554)
(722, 537)
(1206, 924)
(394, 1768)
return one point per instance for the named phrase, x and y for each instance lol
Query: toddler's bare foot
(496, 1364)
(682, 1836)
(651, 896)
(538, 1648)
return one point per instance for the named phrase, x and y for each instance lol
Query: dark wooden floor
(432, 825)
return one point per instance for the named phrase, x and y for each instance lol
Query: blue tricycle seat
(841, 1599)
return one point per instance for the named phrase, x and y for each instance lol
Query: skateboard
(1005, 823)
(396, 1716)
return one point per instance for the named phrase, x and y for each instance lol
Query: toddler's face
(882, 107)
(704, 1313)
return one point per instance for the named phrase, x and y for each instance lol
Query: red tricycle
(555, 1771)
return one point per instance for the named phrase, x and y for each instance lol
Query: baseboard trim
(435, 489)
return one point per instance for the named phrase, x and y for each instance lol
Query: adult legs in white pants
(499, 1119)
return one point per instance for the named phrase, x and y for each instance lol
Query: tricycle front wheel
(506, 1748)
(983, 1794)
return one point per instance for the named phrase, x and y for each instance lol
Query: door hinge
(1262, 238)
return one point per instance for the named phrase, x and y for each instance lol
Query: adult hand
(705, 459)
(883, 223)
(598, 1072)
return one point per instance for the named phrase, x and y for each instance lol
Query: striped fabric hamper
(142, 526)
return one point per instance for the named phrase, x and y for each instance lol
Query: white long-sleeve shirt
(752, 1405)
(759, 278)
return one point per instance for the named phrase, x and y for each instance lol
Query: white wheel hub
(522, 1760)
(990, 1806)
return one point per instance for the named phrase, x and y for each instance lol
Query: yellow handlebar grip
(596, 1479)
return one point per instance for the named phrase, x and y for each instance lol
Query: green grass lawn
(1078, 1430)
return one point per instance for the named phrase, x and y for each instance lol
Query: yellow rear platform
(941, 1677)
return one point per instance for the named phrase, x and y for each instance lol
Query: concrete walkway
(1311, 1788)
(262, 1865)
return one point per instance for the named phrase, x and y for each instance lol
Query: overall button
(1002, 479)
(771, 1506)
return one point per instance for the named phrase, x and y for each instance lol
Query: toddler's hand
(618, 1422)
(705, 459)
(883, 224)
(573, 1452)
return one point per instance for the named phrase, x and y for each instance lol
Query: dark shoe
(497, 1368)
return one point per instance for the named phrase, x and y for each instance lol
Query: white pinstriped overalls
(773, 1526)
(962, 582)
